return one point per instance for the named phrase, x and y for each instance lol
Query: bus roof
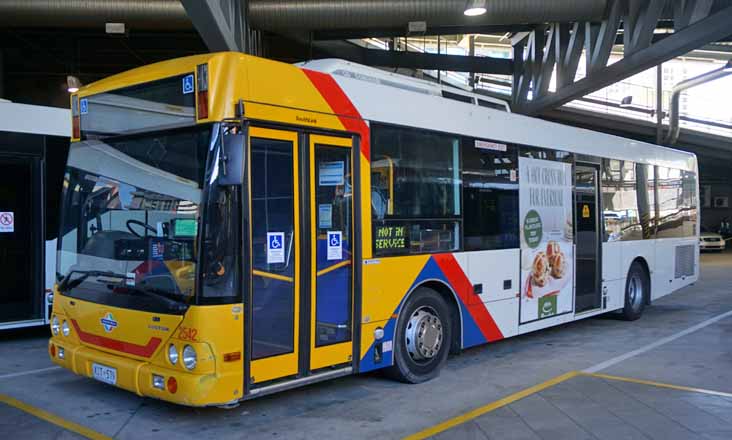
(375, 103)
(286, 93)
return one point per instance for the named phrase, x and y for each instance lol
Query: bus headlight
(189, 357)
(172, 354)
(65, 329)
(55, 326)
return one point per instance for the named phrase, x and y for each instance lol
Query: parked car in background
(711, 241)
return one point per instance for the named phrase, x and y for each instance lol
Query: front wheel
(637, 291)
(422, 338)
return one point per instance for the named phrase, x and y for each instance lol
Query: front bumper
(137, 376)
(712, 245)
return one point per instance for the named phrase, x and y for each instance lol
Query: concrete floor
(372, 406)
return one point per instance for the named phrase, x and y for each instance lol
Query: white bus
(34, 143)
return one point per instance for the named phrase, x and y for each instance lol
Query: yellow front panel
(385, 285)
(213, 331)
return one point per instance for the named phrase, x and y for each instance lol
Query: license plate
(104, 374)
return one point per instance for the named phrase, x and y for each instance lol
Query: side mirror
(231, 160)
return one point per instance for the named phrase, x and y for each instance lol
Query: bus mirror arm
(232, 160)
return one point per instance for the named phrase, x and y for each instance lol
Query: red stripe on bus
(342, 107)
(114, 344)
(464, 289)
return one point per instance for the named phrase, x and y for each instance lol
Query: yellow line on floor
(52, 418)
(447, 424)
(657, 384)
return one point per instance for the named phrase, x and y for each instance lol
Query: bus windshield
(131, 219)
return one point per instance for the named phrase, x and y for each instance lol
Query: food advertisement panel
(547, 251)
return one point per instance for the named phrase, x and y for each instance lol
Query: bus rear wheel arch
(423, 337)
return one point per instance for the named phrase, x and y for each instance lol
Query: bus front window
(131, 219)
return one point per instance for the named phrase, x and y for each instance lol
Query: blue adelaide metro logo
(108, 322)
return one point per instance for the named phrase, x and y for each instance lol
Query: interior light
(73, 84)
(475, 7)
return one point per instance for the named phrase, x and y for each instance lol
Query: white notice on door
(335, 245)
(7, 222)
(275, 247)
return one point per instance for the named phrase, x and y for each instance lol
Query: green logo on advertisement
(532, 229)
(547, 306)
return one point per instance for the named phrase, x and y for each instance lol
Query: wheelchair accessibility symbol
(188, 84)
(335, 245)
(275, 247)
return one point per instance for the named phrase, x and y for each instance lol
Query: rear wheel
(637, 291)
(422, 339)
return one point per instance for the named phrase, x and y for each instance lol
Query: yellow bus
(234, 226)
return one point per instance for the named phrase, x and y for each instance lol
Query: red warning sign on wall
(7, 222)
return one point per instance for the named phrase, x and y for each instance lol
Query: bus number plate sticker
(275, 247)
(335, 245)
(7, 222)
(104, 374)
(485, 145)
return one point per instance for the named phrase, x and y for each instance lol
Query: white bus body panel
(377, 102)
(47, 121)
(34, 119)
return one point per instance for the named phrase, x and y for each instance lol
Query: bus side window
(416, 191)
(490, 193)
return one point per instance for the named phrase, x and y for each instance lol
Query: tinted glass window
(620, 201)
(646, 191)
(161, 104)
(415, 190)
(490, 194)
(544, 154)
(273, 226)
(676, 203)
(131, 221)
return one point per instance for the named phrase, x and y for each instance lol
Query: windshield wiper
(67, 283)
(161, 294)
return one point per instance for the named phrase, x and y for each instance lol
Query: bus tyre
(637, 288)
(422, 338)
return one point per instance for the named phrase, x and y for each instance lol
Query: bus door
(21, 232)
(300, 276)
(587, 241)
(331, 251)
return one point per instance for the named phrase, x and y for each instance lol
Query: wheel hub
(635, 291)
(424, 334)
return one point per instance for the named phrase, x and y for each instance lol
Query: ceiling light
(72, 84)
(474, 8)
